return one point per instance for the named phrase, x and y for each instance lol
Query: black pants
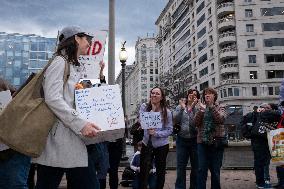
(115, 153)
(50, 177)
(146, 158)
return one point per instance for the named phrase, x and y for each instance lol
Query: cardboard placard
(5, 98)
(150, 120)
(102, 106)
(90, 62)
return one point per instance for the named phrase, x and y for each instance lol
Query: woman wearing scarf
(210, 139)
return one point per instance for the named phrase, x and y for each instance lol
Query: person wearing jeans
(155, 141)
(14, 166)
(14, 171)
(186, 144)
(210, 139)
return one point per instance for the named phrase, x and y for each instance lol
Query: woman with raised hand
(211, 139)
(155, 143)
(186, 144)
(65, 152)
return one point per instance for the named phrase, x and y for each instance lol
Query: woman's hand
(151, 131)
(102, 65)
(90, 130)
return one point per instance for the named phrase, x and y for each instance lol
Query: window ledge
(252, 49)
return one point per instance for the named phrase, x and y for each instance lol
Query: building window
(251, 43)
(151, 78)
(204, 85)
(248, 1)
(274, 58)
(201, 19)
(200, 7)
(254, 91)
(249, 28)
(201, 32)
(212, 67)
(213, 81)
(275, 74)
(273, 42)
(277, 90)
(209, 11)
(202, 59)
(236, 92)
(211, 52)
(273, 26)
(248, 13)
(202, 45)
(230, 92)
(252, 59)
(151, 71)
(225, 93)
(203, 72)
(210, 38)
(272, 11)
(253, 74)
(210, 24)
(270, 90)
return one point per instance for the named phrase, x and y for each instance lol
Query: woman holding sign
(65, 151)
(155, 141)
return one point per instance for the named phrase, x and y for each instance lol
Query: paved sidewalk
(230, 179)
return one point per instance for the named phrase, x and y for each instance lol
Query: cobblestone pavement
(230, 179)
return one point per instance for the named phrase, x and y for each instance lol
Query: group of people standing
(200, 138)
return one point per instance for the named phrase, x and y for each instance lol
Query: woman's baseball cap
(70, 31)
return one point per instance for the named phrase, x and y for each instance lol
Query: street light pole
(111, 43)
(123, 57)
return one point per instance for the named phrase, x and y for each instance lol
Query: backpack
(128, 176)
(27, 120)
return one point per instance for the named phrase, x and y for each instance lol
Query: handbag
(177, 124)
(27, 120)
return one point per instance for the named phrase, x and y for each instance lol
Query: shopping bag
(27, 120)
(276, 145)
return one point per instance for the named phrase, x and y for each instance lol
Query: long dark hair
(163, 104)
(71, 48)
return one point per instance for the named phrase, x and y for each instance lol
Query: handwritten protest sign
(91, 61)
(102, 106)
(5, 98)
(150, 120)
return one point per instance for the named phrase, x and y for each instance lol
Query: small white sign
(102, 106)
(95, 55)
(150, 120)
(5, 98)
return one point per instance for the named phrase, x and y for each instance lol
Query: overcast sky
(45, 17)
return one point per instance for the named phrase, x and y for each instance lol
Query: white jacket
(64, 148)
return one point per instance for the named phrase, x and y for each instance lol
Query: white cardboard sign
(102, 106)
(5, 98)
(95, 55)
(150, 120)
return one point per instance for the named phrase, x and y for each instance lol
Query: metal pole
(123, 85)
(111, 43)
(124, 157)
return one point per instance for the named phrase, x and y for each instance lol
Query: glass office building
(20, 55)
